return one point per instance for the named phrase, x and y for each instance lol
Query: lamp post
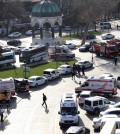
(92, 52)
(25, 68)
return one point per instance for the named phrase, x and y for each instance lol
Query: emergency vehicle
(107, 49)
(60, 51)
(69, 110)
(103, 85)
(7, 88)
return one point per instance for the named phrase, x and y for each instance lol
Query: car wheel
(66, 72)
(36, 85)
(97, 111)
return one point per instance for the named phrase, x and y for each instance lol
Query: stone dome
(46, 8)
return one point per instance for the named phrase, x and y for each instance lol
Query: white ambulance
(103, 85)
(69, 110)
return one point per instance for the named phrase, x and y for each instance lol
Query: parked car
(15, 35)
(97, 120)
(64, 69)
(35, 81)
(104, 25)
(83, 95)
(116, 105)
(14, 43)
(91, 36)
(96, 104)
(20, 84)
(84, 63)
(115, 111)
(78, 130)
(85, 48)
(118, 81)
(51, 74)
(70, 45)
(28, 33)
(107, 36)
(67, 28)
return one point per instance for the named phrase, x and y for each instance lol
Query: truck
(106, 49)
(102, 85)
(60, 51)
(7, 88)
(69, 110)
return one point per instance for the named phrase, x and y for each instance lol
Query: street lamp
(25, 68)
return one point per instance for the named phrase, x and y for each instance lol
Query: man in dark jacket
(83, 70)
(44, 100)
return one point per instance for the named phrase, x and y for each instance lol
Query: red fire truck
(107, 49)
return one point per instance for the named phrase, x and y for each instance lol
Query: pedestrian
(115, 60)
(73, 74)
(117, 27)
(83, 70)
(44, 100)
(78, 69)
(1, 113)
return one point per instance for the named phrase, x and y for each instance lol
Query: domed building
(45, 17)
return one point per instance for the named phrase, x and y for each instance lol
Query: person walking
(44, 100)
(115, 60)
(1, 113)
(73, 74)
(83, 70)
(79, 69)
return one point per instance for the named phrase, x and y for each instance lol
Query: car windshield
(68, 110)
(62, 67)
(46, 72)
(31, 79)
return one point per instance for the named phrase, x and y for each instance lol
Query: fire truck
(108, 49)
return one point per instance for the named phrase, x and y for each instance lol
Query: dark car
(85, 48)
(78, 130)
(91, 36)
(21, 84)
(14, 43)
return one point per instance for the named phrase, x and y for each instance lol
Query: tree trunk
(85, 33)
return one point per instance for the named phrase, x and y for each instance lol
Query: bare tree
(91, 10)
(11, 11)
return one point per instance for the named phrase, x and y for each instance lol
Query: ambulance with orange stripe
(103, 85)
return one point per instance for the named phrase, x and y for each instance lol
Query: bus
(34, 54)
(7, 58)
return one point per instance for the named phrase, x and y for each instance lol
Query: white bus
(7, 58)
(34, 54)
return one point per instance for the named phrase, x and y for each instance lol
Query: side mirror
(58, 112)
(78, 112)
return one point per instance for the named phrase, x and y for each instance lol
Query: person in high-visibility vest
(27, 87)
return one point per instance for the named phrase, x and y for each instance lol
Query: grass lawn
(35, 70)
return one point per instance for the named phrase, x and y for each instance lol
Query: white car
(65, 69)
(51, 74)
(67, 28)
(28, 33)
(97, 121)
(15, 35)
(110, 111)
(116, 105)
(70, 45)
(35, 81)
(84, 63)
(107, 36)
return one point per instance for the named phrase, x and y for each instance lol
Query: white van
(51, 74)
(104, 25)
(69, 110)
(83, 95)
